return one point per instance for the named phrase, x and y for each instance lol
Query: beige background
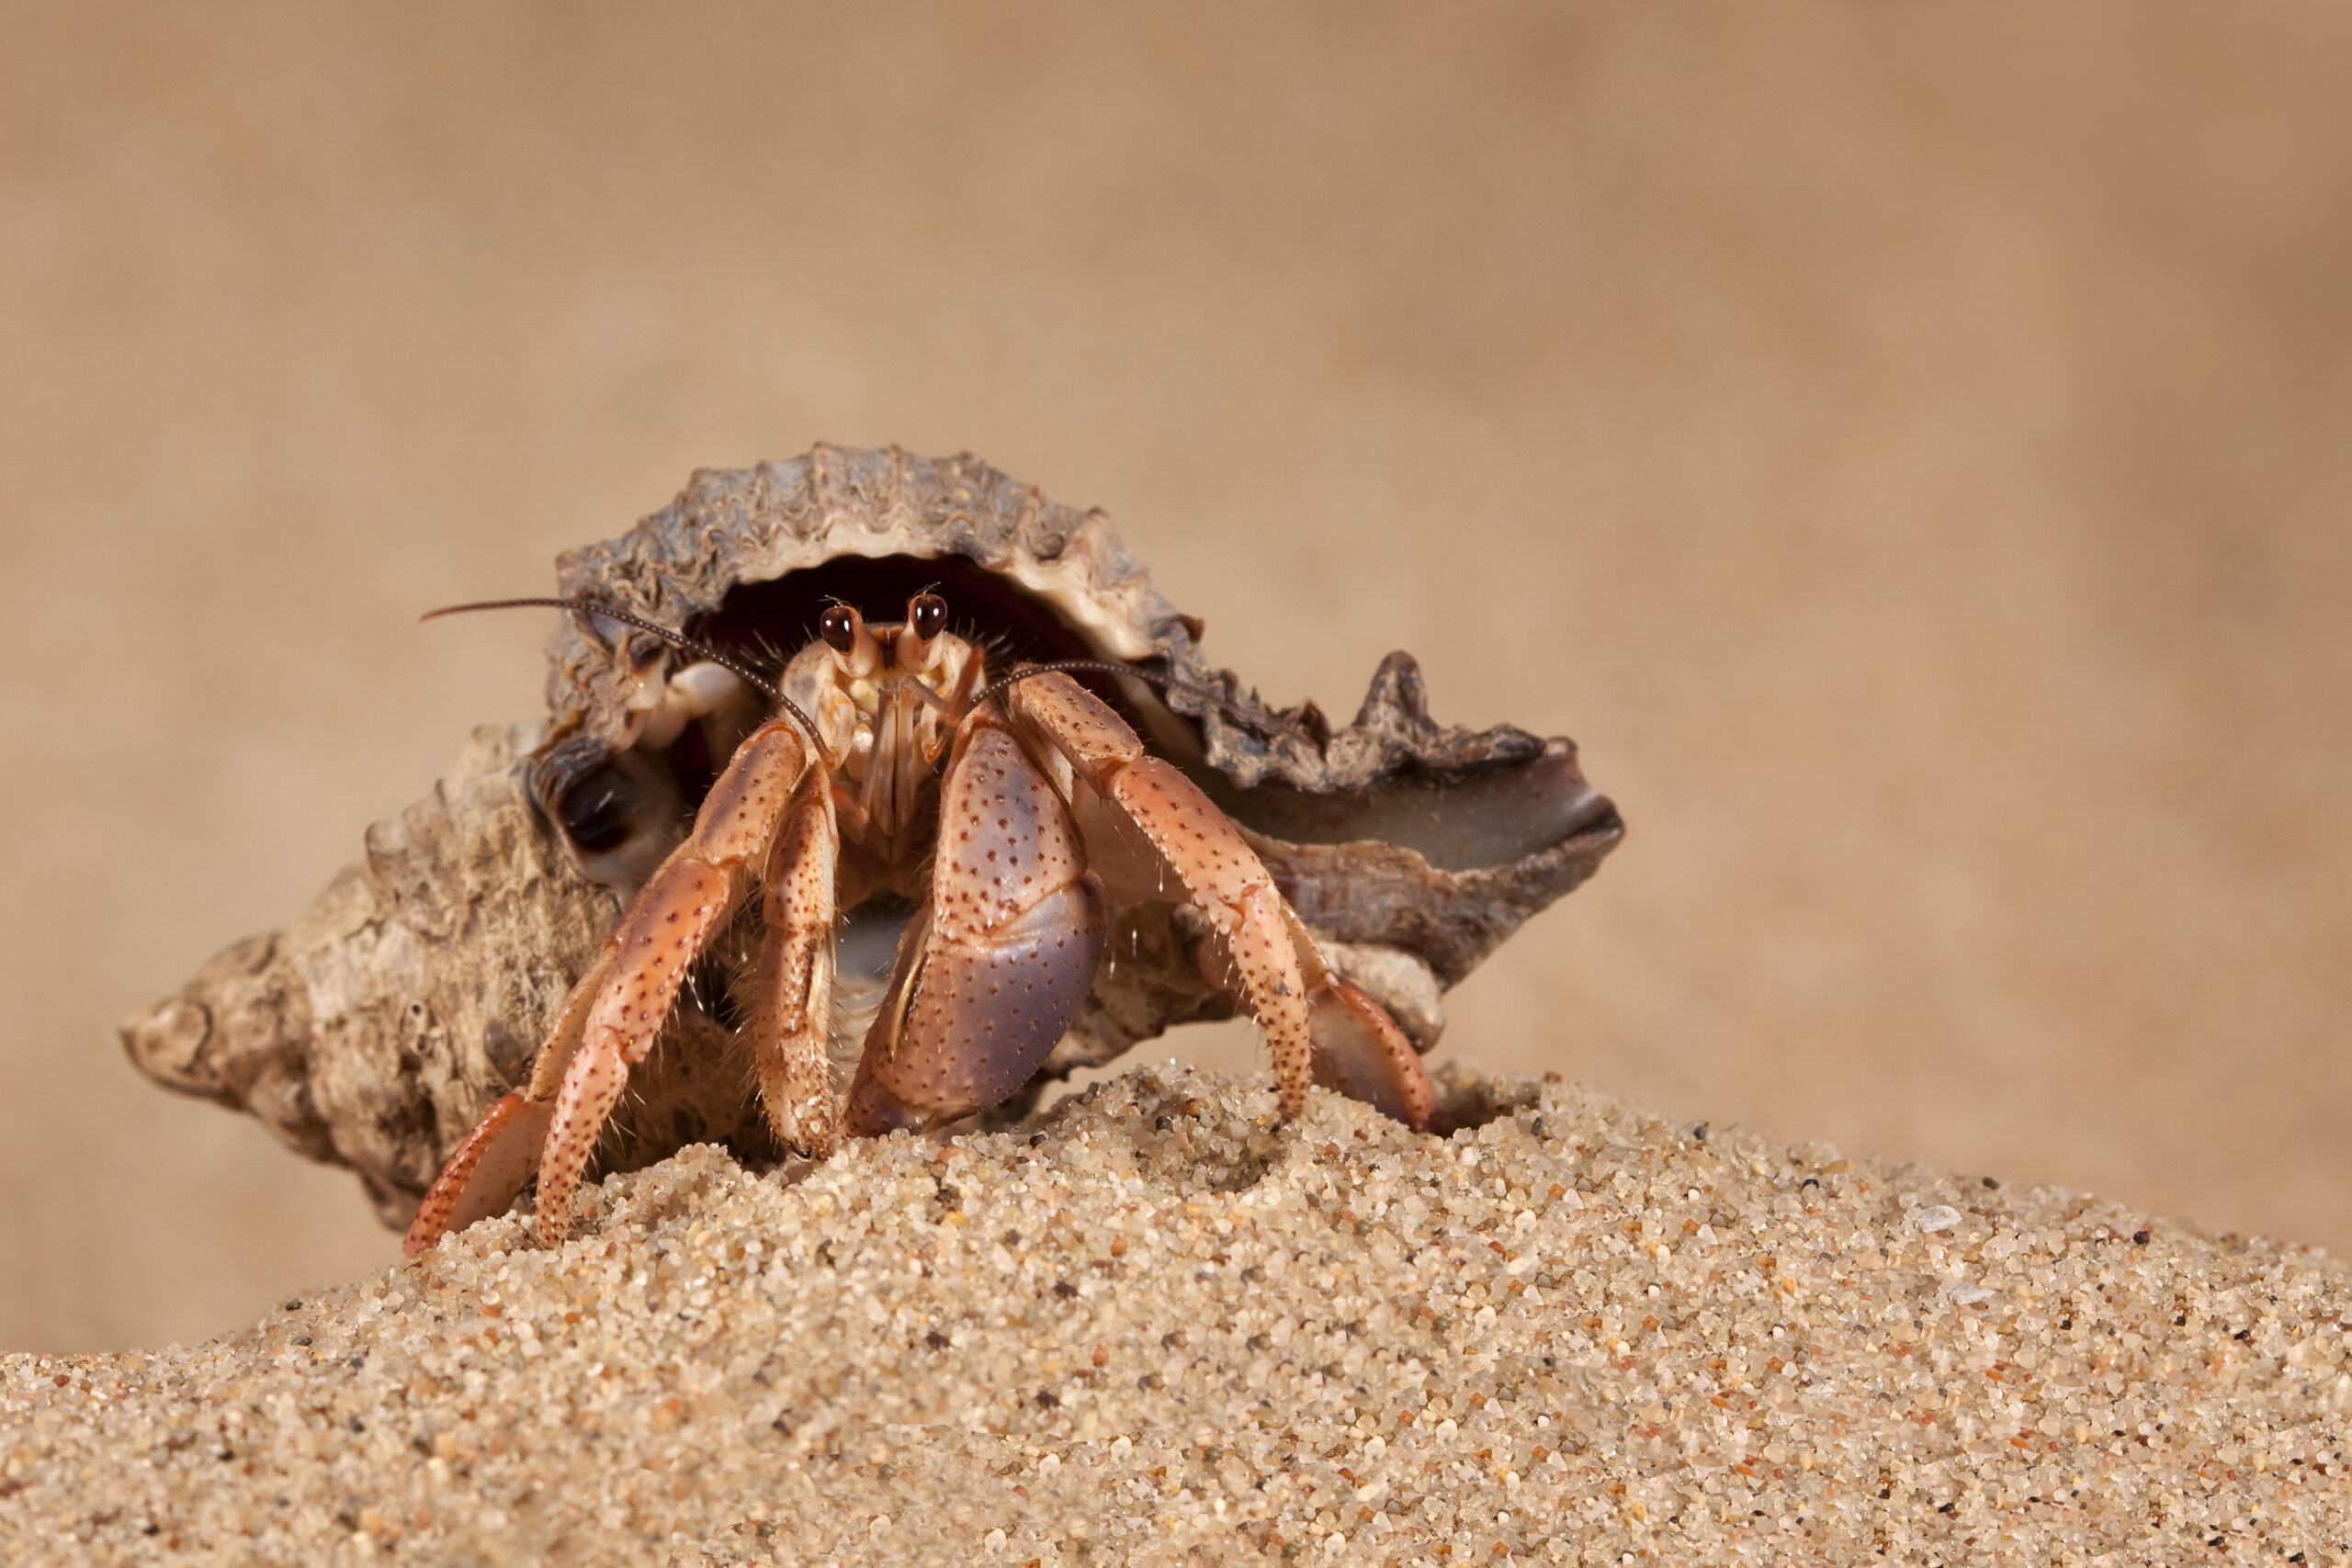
(1908, 447)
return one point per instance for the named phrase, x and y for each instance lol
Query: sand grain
(1158, 1330)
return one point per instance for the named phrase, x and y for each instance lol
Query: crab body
(891, 772)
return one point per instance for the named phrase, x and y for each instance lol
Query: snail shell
(373, 1030)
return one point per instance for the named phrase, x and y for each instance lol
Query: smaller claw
(482, 1177)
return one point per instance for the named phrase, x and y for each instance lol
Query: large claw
(994, 966)
(983, 1016)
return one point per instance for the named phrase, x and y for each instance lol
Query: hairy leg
(614, 1014)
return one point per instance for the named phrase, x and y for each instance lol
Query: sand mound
(1155, 1330)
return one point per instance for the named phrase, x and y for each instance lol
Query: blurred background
(1908, 447)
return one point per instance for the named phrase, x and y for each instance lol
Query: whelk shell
(373, 1030)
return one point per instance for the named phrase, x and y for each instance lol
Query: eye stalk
(856, 652)
(927, 615)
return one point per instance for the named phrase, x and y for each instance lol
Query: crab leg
(687, 902)
(794, 980)
(484, 1171)
(493, 1161)
(613, 1016)
(1359, 1050)
(1319, 1028)
(995, 964)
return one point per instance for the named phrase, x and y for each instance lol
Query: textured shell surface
(374, 1029)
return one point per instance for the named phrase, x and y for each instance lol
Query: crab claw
(486, 1171)
(998, 962)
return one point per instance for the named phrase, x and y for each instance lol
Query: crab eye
(838, 627)
(927, 614)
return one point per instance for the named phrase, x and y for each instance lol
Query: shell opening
(621, 813)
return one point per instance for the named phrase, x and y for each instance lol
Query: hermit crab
(765, 848)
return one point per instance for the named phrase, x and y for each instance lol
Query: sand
(1156, 1328)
